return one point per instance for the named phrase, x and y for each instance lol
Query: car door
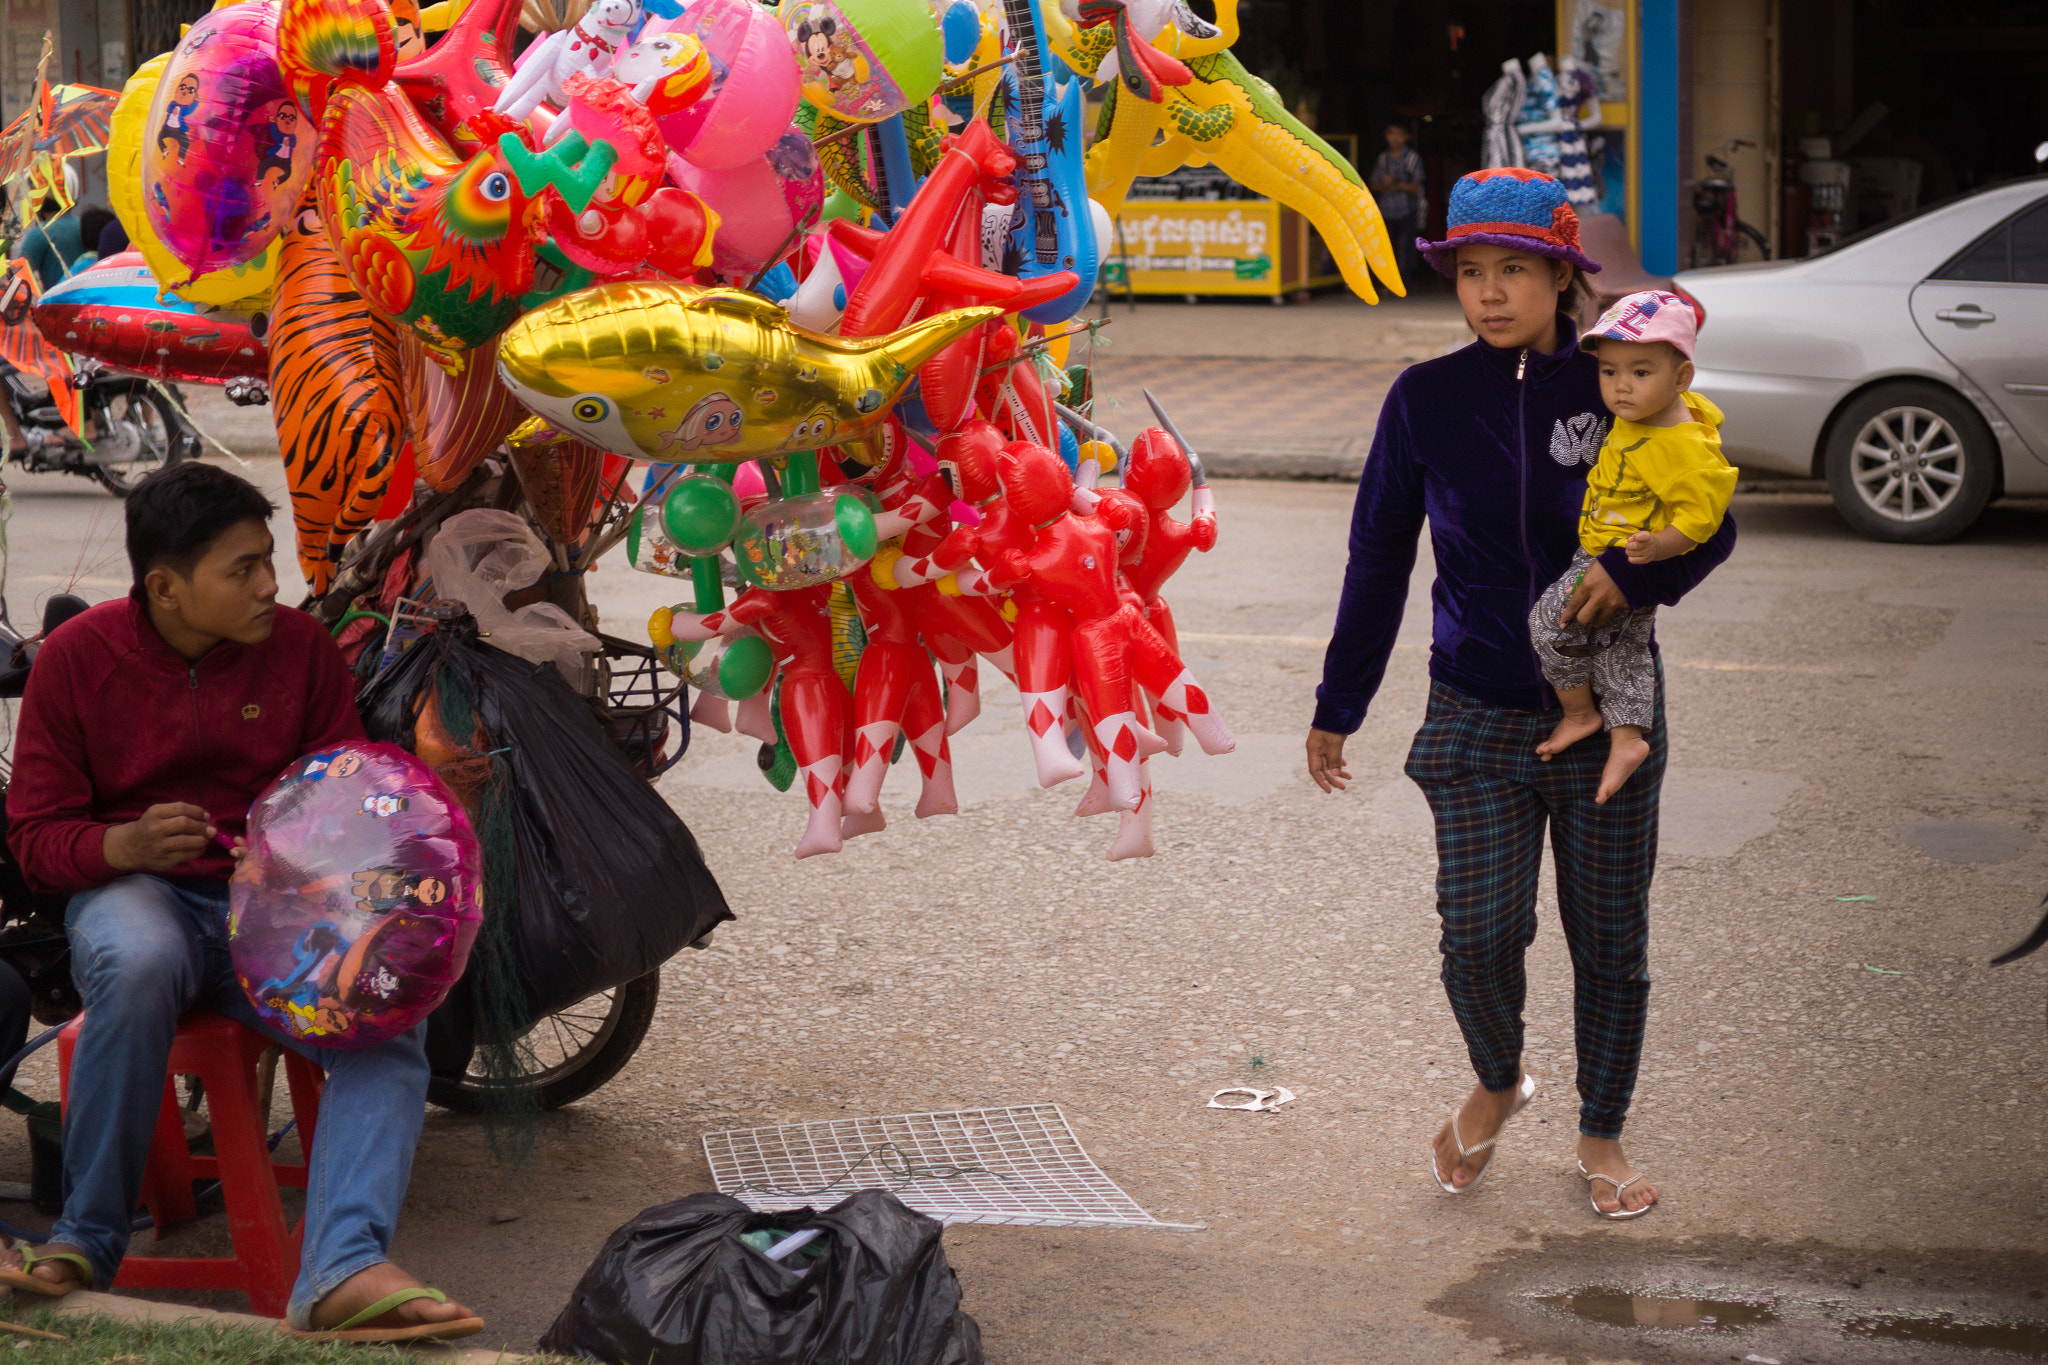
(1986, 310)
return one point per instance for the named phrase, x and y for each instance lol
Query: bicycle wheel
(138, 432)
(569, 1053)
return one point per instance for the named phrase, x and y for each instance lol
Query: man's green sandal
(29, 1283)
(352, 1329)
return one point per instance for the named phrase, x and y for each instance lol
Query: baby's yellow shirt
(1648, 478)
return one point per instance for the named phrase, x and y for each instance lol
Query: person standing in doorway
(1397, 186)
(1492, 445)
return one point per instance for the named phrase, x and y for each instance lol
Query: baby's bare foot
(1624, 756)
(1575, 726)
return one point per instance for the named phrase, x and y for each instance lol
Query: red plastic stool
(223, 1055)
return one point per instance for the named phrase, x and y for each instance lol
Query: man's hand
(166, 836)
(1326, 760)
(1595, 601)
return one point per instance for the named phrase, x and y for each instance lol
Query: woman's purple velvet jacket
(1493, 447)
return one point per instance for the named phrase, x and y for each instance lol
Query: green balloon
(701, 514)
(746, 666)
(856, 526)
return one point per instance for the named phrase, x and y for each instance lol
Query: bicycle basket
(643, 709)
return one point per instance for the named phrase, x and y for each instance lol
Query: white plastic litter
(1018, 1165)
(480, 555)
(1261, 1101)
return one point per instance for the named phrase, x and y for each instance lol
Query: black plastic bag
(610, 881)
(677, 1286)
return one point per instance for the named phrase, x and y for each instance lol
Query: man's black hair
(175, 514)
(92, 221)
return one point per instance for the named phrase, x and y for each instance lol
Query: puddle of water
(1624, 1308)
(2020, 1338)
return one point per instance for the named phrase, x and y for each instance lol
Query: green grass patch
(94, 1340)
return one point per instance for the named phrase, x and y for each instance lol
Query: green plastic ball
(746, 666)
(856, 526)
(701, 514)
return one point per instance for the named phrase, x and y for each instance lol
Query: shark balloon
(686, 374)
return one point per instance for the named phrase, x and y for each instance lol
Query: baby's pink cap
(1652, 315)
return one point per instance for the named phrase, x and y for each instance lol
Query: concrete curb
(87, 1303)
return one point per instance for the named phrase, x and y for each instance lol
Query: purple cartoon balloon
(227, 152)
(355, 908)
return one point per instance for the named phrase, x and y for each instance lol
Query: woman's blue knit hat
(1508, 206)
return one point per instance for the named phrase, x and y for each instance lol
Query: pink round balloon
(759, 203)
(354, 910)
(755, 84)
(227, 151)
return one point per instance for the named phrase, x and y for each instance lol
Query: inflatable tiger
(334, 386)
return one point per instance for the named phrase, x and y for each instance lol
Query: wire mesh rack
(1019, 1165)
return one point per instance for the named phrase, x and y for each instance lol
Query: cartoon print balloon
(685, 374)
(355, 908)
(227, 151)
(243, 286)
(863, 60)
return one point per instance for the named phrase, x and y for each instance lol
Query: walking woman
(1492, 444)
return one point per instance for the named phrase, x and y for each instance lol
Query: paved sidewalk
(1271, 419)
(1292, 392)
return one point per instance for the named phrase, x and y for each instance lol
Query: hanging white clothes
(1502, 104)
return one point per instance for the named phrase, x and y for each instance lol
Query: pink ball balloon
(759, 202)
(227, 151)
(354, 910)
(755, 85)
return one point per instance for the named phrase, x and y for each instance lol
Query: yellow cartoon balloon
(684, 374)
(247, 285)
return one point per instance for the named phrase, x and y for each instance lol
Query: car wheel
(1911, 463)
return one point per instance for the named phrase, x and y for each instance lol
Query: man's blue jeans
(146, 949)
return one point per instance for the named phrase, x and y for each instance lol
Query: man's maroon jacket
(115, 722)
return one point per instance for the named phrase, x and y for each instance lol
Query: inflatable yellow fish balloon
(683, 374)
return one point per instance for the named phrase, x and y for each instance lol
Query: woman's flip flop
(30, 1283)
(1528, 1092)
(1624, 1213)
(351, 1329)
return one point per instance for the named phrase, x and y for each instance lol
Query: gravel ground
(1829, 1084)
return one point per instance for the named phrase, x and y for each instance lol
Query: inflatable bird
(1230, 118)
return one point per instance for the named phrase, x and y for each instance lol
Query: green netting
(498, 995)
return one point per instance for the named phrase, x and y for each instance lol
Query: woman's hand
(1326, 760)
(1596, 600)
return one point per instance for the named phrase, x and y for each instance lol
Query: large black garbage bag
(610, 881)
(677, 1286)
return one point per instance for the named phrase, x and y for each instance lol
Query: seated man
(150, 725)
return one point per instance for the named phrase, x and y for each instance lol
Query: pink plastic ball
(355, 908)
(227, 151)
(759, 203)
(755, 84)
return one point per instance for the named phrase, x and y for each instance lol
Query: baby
(1659, 489)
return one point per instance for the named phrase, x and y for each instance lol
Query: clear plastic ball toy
(355, 907)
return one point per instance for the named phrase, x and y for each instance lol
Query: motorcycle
(136, 424)
(135, 429)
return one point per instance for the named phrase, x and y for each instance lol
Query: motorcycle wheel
(572, 1051)
(157, 430)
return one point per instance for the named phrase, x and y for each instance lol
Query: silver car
(1907, 367)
